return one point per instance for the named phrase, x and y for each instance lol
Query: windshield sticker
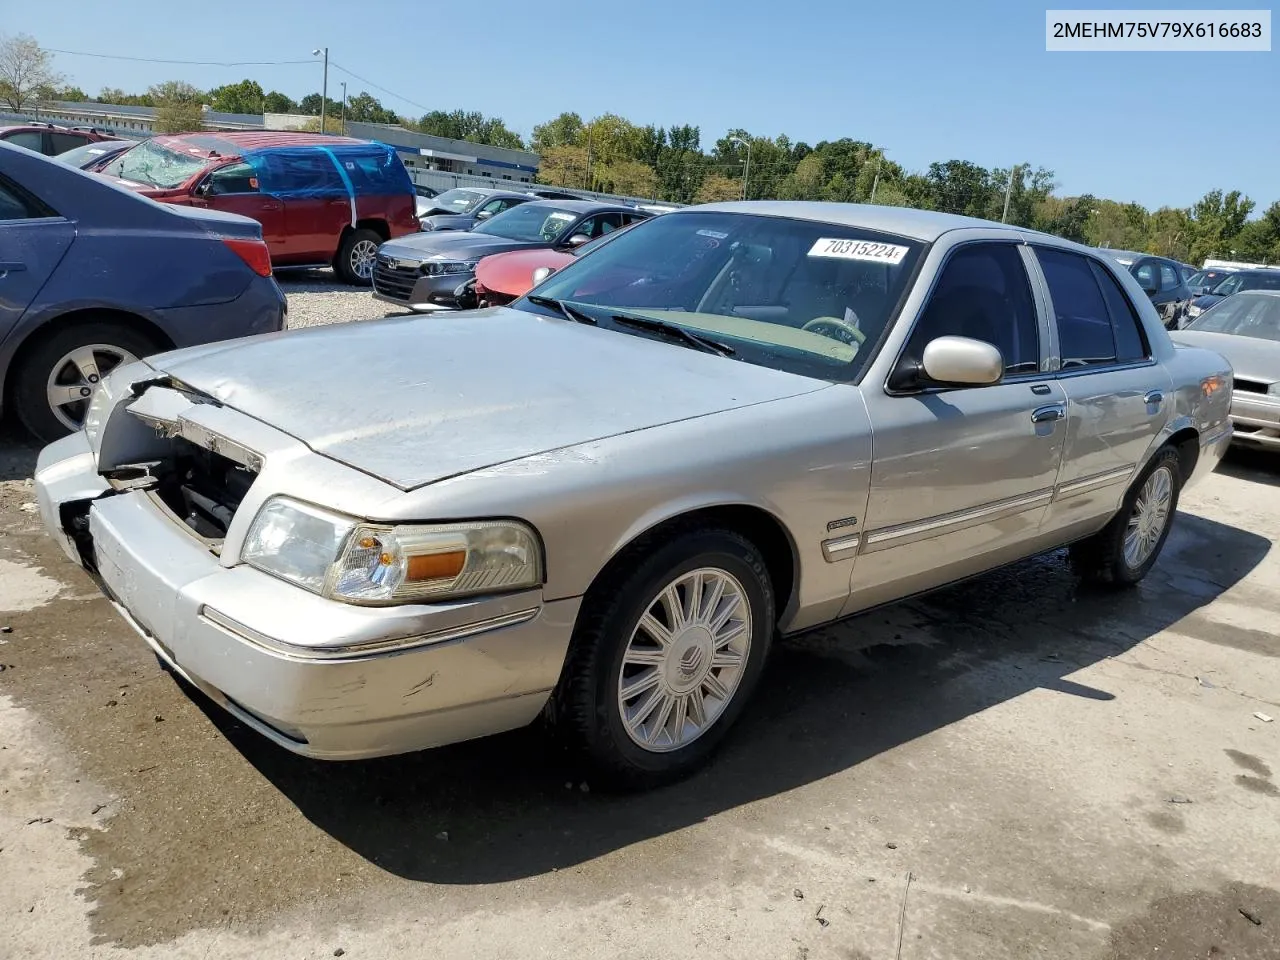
(713, 234)
(561, 216)
(857, 250)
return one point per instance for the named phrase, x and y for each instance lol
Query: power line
(189, 63)
(389, 93)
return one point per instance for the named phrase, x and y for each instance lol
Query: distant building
(421, 151)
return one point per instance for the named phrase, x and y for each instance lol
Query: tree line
(612, 154)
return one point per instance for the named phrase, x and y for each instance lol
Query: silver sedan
(604, 503)
(1245, 328)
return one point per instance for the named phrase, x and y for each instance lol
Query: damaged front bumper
(294, 666)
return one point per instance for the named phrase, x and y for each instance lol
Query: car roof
(238, 143)
(581, 206)
(926, 225)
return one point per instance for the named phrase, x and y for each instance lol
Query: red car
(321, 200)
(504, 277)
(50, 140)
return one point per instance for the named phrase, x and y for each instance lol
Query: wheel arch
(38, 333)
(758, 524)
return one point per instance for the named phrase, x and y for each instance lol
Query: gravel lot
(1011, 768)
(316, 297)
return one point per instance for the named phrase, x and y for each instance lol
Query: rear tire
(48, 367)
(356, 255)
(1125, 550)
(694, 685)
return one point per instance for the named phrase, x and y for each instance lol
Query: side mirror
(484, 214)
(578, 239)
(962, 361)
(204, 188)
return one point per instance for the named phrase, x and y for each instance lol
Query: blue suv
(93, 275)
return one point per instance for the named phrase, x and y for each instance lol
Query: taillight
(252, 252)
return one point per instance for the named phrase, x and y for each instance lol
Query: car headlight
(375, 564)
(438, 268)
(427, 225)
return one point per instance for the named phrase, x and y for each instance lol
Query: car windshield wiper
(570, 313)
(674, 331)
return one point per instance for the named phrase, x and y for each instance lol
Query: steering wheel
(836, 329)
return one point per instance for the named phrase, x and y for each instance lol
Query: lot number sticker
(857, 250)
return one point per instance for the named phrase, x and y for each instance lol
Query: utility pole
(344, 108)
(1008, 189)
(587, 185)
(324, 89)
(875, 184)
(746, 170)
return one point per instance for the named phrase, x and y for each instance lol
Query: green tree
(563, 167)
(26, 71)
(958, 186)
(277, 102)
(628, 177)
(1218, 219)
(1067, 218)
(470, 125)
(1119, 226)
(117, 96)
(565, 130)
(179, 107)
(310, 105)
(68, 93)
(243, 97)
(364, 107)
(1259, 240)
(716, 188)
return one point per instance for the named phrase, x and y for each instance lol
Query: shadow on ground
(1252, 464)
(829, 701)
(17, 454)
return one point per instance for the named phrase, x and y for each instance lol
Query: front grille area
(393, 281)
(202, 488)
(1250, 386)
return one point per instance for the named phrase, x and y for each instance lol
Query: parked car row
(48, 139)
(432, 270)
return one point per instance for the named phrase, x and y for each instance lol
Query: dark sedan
(1161, 280)
(427, 271)
(93, 276)
(476, 206)
(1264, 279)
(1205, 280)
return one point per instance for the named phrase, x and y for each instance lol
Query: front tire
(356, 257)
(1126, 549)
(666, 653)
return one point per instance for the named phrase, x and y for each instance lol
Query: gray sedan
(604, 503)
(1245, 328)
(428, 271)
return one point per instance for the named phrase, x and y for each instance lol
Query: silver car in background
(603, 503)
(1245, 328)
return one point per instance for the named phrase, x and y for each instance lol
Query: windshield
(531, 222)
(158, 166)
(795, 295)
(458, 201)
(1247, 281)
(1246, 315)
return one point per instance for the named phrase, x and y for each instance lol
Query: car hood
(1250, 357)
(512, 273)
(455, 221)
(451, 244)
(419, 399)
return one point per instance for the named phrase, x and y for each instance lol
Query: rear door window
(1168, 277)
(31, 139)
(1146, 274)
(1131, 342)
(62, 142)
(1085, 334)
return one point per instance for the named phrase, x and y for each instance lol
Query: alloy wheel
(363, 255)
(75, 377)
(685, 659)
(1149, 517)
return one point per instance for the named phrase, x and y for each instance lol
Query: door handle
(8, 268)
(1154, 398)
(1050, 413)
(1041, 389)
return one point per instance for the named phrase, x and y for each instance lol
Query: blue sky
(927, 81)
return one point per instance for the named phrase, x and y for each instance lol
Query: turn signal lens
(435, 566)
(1211, 385)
